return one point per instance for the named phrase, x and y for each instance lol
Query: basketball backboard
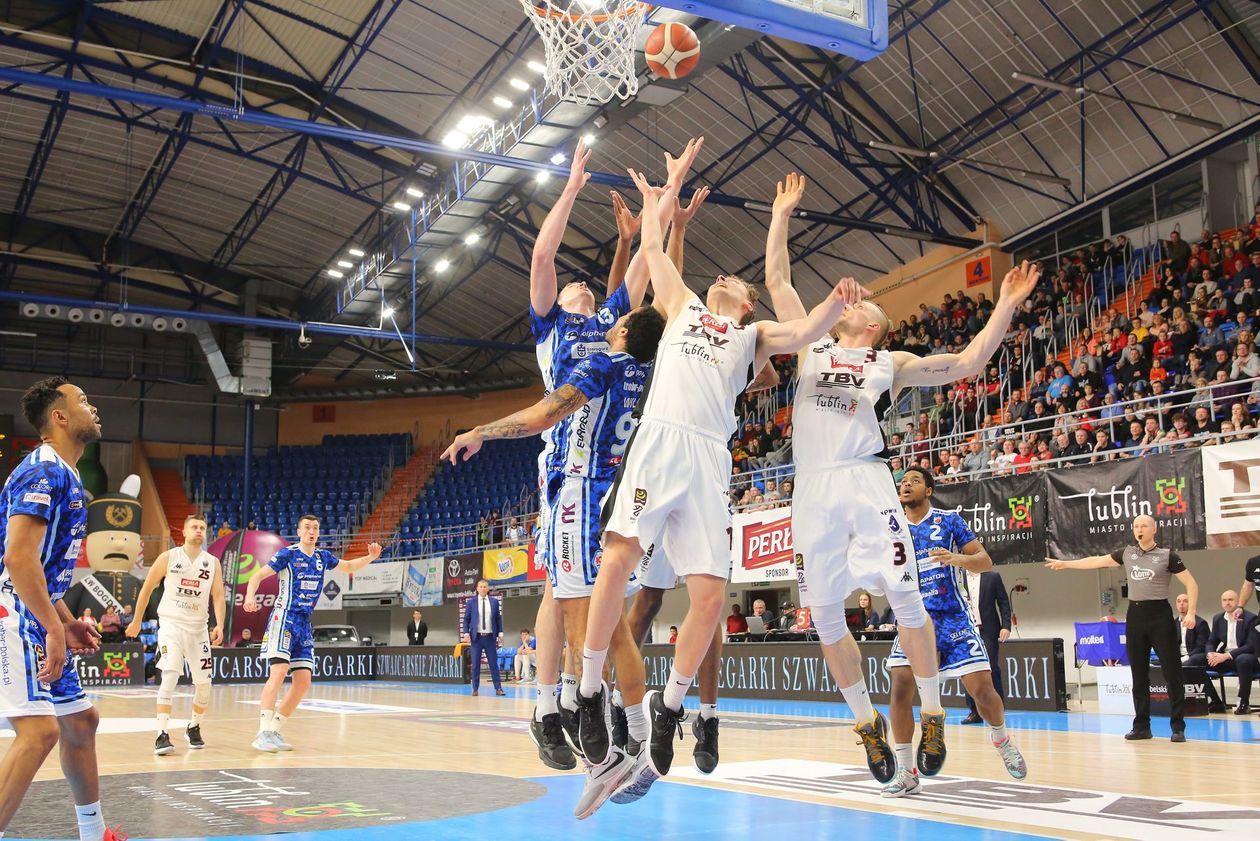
(857, 28)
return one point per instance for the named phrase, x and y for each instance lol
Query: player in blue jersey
(596, 400)
(289, 645)
(43, 520)
(568, 327)
(946, 549)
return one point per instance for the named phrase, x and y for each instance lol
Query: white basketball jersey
(186, 590)
(703, 364)
(841, 396)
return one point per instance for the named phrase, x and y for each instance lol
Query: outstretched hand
(683, 215)
(677, 167)
(627, 222)
(469, 443)
(578, 176)
(1020, 282)
(651, 195)
(788, 194)
(850, 291)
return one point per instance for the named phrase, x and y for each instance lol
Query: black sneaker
(593, 735)
(706, 751)
(193, 735)
(931, 753)
(548, 735)
(666, 725)
(879, 754)
(569, 728)
(162, 745)
(620, 727)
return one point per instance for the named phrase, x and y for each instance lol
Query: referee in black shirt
(1150, 568)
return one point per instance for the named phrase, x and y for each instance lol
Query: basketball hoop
(590, 47)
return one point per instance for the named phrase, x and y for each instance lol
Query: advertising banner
(506, 566)
(761, 547)
(246, 665)
(1231, 494)
(240, 553)
(422, 586)
(1092, 506)
(460, 576)
(336, 583)
(1007, 513)
(537, 572)
(380, 577)
(115, 664)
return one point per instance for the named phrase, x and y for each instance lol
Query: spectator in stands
(110, 625)
(494, 528)
(1081, 445)
(246, 640)
(87, 616)
(1024, 459)
(1202, 424)
(515, 533)
(1060, 385)
(128, 614)
(225, 529)
(1104, 449)
(673, 634)
(252, 526)
(526, 656)
(1246, 364)
(1229, 648)
(736, 623)
(1177, 253)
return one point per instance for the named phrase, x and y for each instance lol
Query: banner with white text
(761, 547)
(1231, 494)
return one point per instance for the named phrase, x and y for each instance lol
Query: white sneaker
(905, 783)
(279, 742)
(639, 781)
(602, 780)
(1012, 758)
(263, 742)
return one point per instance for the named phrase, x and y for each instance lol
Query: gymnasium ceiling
(107, 198)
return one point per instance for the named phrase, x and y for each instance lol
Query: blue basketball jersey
(943, 587)
(301, 578)
(563, 339)
(46, 486)
(591, 441)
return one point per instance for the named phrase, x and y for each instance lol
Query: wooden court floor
(429, 761)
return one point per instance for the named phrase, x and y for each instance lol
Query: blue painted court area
(1218, 729)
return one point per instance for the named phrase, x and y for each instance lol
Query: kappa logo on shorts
(905, 576)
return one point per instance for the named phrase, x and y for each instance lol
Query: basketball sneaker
(162, 745)
(548, 736)
(262, 742)
(905, 783)
(593, 736)
(115, 834)
(879, 754)
(279, 742)
(705, 753)
(602, 779)
(620, 727)
(666, 725)
(569, 727)
(640, 780)
(931, 753)
(193, 735)
(1012, 758)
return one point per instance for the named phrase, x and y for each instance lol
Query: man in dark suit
(1194, 644)
(483, 628)
(992, 606)
(1228, 648)
(417, 629)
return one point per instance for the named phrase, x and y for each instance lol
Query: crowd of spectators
(1088, 371)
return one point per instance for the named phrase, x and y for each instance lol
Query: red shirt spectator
(736, 623)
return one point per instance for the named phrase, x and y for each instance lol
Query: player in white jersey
(672, 486)
(190, 578)
(844, 542)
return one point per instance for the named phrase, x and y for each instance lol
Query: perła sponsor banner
(1092, 507)
(761, 546)
(1231, 494)
(1007, 513)
(380, 577)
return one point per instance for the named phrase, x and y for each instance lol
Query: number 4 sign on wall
(979, 272)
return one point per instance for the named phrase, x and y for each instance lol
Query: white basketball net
(590, 46)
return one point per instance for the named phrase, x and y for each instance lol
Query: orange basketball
(672, 50)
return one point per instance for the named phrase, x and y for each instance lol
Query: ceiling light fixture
(355, 252)
(536, 66)
(345, 264)
(401, 205)
(472, 238)
(558, 158)
(502, 102)
(334, 273)
(442, 265)
(415, 192)
(519, 84)
(455, 140)
(542, 177)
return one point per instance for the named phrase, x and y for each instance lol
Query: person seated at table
(871, 620)
(736, 623)
(763, 613)
(1194, 643)
(804, 622)
(889, 622)
(1228, 649)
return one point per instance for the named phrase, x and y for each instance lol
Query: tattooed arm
(544, 414)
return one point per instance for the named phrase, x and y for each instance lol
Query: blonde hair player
(845, 542)
(190, 578)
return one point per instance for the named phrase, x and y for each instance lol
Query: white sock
(547, 700)
(905, 756)
(278, 722)
(568, 691)
(708, 710)
(195, 721)
(636, 723)
(998, 734)
(91, 822)
(930, 693)
(164, 721)
(266, 719)
(859, 700)
(676, 689)
(592, 671)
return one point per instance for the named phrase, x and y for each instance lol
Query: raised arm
(353, 565)
(945, 368)
(787, 304)
(151, 579)
(542, 271)
(627, 227)
(639, 272)
(670, 293)
(678, 230)
(529, 421)
(1092, 562)
(778, 337)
